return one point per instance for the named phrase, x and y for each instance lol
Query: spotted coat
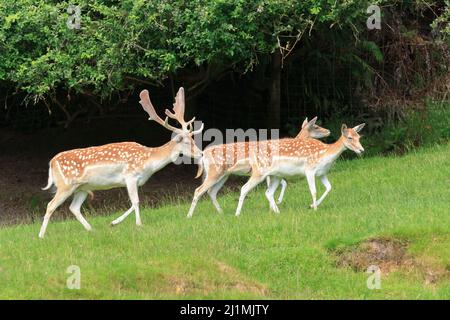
(73, 163)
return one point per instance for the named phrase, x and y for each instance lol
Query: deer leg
(213, 192)
(60, 196)
(246, 188)
(134, 197)
(209, 182)
(274, 183)
(132, 189)
(122, 217)
(327, 186)
(75, 207)
(283, 189)
(310, 177)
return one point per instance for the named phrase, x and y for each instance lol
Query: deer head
(312, 130)
(185, 144)
(351, 138)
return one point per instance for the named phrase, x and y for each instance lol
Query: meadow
(298, 254)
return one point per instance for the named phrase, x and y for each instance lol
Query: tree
(124, 44)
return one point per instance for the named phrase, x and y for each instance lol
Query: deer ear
(305, 122)
(359, 127)
(313, 121)
(344, 130)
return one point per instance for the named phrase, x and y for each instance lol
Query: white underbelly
(288, 167)
(104, 177)
(241, 168)
(322, 169)
(289, 171)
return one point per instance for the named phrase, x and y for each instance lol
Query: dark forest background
(244, 64)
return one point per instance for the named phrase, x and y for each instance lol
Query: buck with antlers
(307, 157)
(220, 161)
(126, 164)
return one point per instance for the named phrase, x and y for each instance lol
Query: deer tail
(200, 168)
(50, 179)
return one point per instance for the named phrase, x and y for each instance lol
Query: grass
(258, 255)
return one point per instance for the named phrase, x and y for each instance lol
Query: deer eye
(350, 138)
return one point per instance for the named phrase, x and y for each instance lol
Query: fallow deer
(220, 161)
(308, 157)
(125, 164)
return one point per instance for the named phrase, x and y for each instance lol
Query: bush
(121, 43)
(428, 126)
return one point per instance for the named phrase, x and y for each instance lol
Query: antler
(194, 132)
(178, 108)
(178, 114)
(148, 107)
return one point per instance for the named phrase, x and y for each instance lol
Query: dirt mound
(388, 254)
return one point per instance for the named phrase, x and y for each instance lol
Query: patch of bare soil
(389, 255)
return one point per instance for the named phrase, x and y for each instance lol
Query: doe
(220, 161)
(307, 157)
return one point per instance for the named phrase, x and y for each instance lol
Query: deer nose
(361, 149)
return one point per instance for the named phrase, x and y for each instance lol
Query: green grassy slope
(258, 255)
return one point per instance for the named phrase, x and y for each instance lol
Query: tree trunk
(275, 92)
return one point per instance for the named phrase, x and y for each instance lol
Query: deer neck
(335, 149)
(302, 134)
(164, 154)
